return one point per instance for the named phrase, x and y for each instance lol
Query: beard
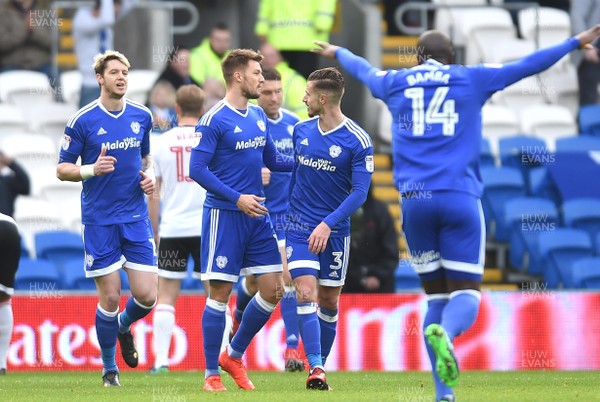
(250, 94)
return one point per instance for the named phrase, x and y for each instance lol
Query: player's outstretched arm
(325, 49)
(105, 164)
(588, 36)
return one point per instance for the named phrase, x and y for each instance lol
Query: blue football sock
(255, 317)
(106, 330)
(290, 318)
(460, 312)
(242, 300)
(436, 304)
(328, 320)
(134, 310)
(213, 325)
(310, 330)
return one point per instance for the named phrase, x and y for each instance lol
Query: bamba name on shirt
(319, 164)
(257, 142)
(129, 142)
(418, 78)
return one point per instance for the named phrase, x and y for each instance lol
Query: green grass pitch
(289, 387)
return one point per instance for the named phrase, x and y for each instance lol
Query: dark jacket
(12, 185)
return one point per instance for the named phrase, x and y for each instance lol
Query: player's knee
(109, 301)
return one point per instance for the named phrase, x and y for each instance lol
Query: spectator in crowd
(214, 92)
(292, 82)
(26, 36)
(292, 26)
(14, 181)
(177, 70)
(205, 59)
(10, 250)
(161, 103)
(93, 34)
(443, 221)
(374, 251)
(584, 14)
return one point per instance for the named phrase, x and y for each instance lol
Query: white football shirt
(181, 198)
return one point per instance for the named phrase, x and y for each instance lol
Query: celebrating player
(277, 192)
(332, 174)
(436, 109)
(237, 234)
(111, 135)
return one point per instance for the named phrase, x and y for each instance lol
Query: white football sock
(6, 329)
(164, 321)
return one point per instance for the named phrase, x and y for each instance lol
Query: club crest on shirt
(66, 142)
(261, 125)
(221, 261)
(290, 130)
(335, 151)
(135, 127)
(196, 139)
(288, 251)
(89, 260)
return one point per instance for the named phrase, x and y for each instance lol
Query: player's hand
(266, 176)
(317, 241)
(104, 164)
(325, 49)
(591, 55)
(147, 183)
(250, 204)
(587, 37)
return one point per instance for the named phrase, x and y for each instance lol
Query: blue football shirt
(115, 197)
(323, 174)
(277, 191)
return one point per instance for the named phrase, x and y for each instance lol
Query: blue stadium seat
(523, 152)
(499, 185)
(486, 157)
(406, 277)
(59, 247)
(527, 217)
(578, 144)
(560, 248)
(24, 250)
(586, 273)
(583, 213)
(74, 276)
(589, 119)
(542, 185)
(38, 276)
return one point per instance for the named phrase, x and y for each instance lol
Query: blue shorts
(445, 234)
(234, 244)
(329, 267)
(279, 221)
(110, 247)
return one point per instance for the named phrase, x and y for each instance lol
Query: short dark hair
(238, 59)
(329, 80)
(435, 45)
(221, 26)
(271, 74)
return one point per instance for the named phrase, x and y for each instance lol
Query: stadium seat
(70, 87)
(25, 88)
(33, 216)
(448, 20)
(520, 95)
(50, 119)
(66, 196)
(541, 185)
(559, 248)
(139, 84)
(74, 276)
(39, 277)
(384, 122)
(583, 213)
(589, 119)
(499, 185)
(586, 273)
(578, 144)
(59, 247)
(24, 250)
(406, 277)
(12, 121)
(562, 87)
(526, 218)
(486, 157)
(545, 26)
(498, 122)
(510, 50)
(548, 122)
(523, 152)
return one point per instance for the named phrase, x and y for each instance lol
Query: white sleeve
(86, 23)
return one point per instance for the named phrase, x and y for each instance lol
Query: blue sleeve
(493, 78)
(360, 187)
(375, 79)
(146, 138)
(274, 160)
(72, 144)
(200, 173)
